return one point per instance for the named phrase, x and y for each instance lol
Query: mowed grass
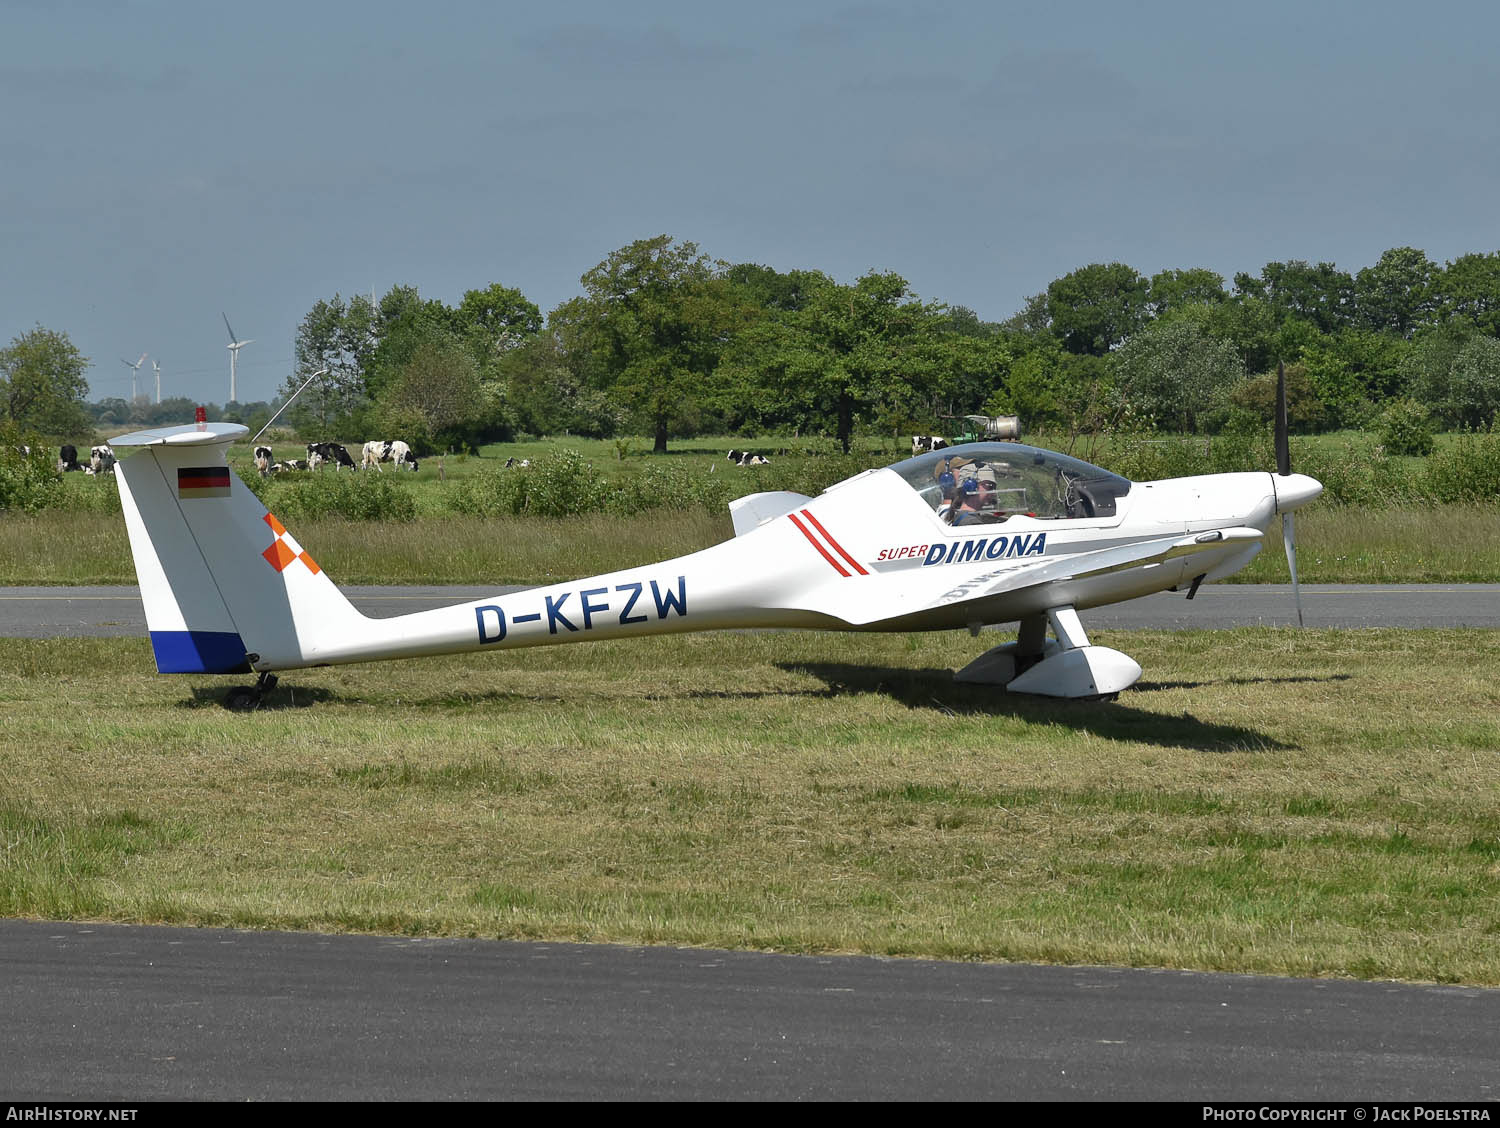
(1308, 803)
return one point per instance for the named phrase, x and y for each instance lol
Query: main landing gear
(1066, 665)
(246, 698)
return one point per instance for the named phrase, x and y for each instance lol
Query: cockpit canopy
(984, 483)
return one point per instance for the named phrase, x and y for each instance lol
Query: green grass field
(1453, 544)
(1307, 803)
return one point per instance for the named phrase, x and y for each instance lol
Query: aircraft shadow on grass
(936, 689)
(1143, 687)
(283, 697)
(915, 688)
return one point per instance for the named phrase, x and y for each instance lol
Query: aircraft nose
(1294, 490)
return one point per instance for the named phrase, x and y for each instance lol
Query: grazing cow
(68, 457)
(294, 464)
(509, 462)
(746, 458)
(263, 458)
(376, 451)
(388, 450)
(923, 443)
(401, 455)
(102, 459)
(319, 453)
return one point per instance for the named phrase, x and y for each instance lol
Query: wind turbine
(235, 346)
(156, 367)
(134, 368)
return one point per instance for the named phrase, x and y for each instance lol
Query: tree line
(666, 341)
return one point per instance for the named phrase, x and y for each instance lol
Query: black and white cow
(920, 444)
(67, 457)
(293, 464)
(263, 460)
(101, 460)
(746, 458)
(319, 453)
(402, 456)
(388, 450)
(375, 452)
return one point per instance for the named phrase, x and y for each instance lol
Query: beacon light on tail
(973, 535)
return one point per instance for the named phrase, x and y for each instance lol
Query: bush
(497, 492)
(355, 497)
(1404, 430)
(85, 493)
(565, 484)
(29, 481)
(1465, 471)
(260, 487)
(667, 485)
(1146, 459)
(561, 483)
(1352, 476)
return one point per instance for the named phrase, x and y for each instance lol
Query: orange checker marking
(311, 564)
(276, 526)
(279, 555)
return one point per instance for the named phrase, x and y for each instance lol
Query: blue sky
(166, 161)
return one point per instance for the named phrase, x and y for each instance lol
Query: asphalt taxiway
(50, 612)
(119, 1013)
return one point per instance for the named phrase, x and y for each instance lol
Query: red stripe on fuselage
(812, 540)
(853, 563)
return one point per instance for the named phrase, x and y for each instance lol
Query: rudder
(225, 587)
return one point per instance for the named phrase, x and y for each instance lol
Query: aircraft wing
(948, 587)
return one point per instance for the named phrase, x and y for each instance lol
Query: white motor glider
(967, 536)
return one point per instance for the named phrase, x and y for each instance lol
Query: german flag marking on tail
(203, 481)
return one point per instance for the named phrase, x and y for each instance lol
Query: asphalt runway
(50, 612)
(101, 1012)
(120, 1013)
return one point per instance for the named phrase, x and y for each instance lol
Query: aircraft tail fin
(226, 588)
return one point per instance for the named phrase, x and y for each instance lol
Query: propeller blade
(1284, 469)
(225, 316)
(1289, 539)
(1283, 446)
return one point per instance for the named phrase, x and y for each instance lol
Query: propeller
(1284, 470)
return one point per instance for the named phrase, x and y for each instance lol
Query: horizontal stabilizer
(754, 510)
(190, 434)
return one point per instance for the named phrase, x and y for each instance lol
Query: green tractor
(979, 428)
